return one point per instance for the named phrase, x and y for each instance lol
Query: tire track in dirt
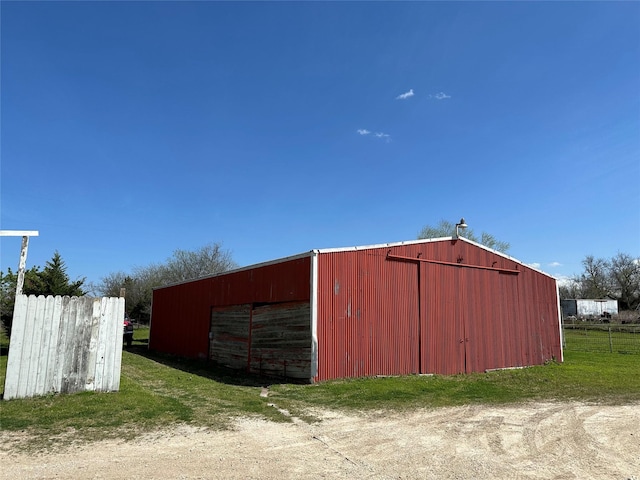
(534, 441)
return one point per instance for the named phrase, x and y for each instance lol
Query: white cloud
(405, 95)
(382, 135)
(440, 96)
(535, 265)
(555, 264)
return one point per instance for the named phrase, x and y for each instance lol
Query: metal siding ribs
(367, 315)
(181, 313)
(443, 306)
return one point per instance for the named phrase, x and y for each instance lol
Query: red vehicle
(128, 331)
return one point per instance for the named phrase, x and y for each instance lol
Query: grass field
(603, 338)
(157, 391)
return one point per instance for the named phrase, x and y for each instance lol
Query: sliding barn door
(468, 319)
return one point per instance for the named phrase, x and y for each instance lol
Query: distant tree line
(181, 266)
(138, 284)
(617, 278)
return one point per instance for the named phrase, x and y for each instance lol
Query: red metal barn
(442, 306)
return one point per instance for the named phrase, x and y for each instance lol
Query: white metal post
(22, 264)
(25, 234)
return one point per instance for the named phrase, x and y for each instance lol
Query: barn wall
(400, 314)
(181, 313)
(431, 307)
(367, 315)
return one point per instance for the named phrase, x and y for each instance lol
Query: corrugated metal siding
(442, 334)
(380, 316)
(384, 310)
(181, 313)
(367, 315)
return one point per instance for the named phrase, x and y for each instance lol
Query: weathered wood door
(266, 339)
(229, 336)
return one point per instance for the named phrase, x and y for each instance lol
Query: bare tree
(207, 260)
(181, 266)
(595, 282)
(571, 289)
(617, 278)
(447, 229)
(111, 285)
(624, 272)
(137, 288)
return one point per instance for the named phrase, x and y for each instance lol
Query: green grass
(4, 350)
(157, 391)
(152, 395)
(602, 378)
(600, 340)
(141, 334)
(4, 338)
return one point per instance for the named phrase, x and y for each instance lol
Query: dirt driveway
(543, 441)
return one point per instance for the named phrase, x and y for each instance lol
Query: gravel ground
(533, 441)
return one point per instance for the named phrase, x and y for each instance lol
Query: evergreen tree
(52, 280)
(8, 284)
(55, 281)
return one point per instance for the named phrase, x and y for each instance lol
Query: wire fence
(602, 338)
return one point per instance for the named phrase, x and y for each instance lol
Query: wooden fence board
(114, 335)
(64, 345)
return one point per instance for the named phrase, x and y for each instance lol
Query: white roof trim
(507, 256)
(19, 233)
(381, 245)
(429, 240)
(240, 269)
(357, 248)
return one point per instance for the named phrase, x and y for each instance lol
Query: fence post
(610, 342)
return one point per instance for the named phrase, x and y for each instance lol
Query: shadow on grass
(208, 369)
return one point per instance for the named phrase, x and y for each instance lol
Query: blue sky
(131, 129)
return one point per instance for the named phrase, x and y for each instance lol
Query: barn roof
(357, 248)
(429, 240)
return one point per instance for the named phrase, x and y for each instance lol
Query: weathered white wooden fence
(64, 345)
